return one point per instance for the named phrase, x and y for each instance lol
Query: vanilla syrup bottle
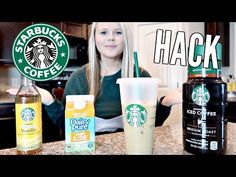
(204, 107)
(28, 109)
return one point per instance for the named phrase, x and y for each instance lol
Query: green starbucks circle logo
(200, 95)
(27, 114)
(40, 52)
(136, 115)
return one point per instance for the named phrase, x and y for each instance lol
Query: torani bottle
(204, 106)
(28, 118)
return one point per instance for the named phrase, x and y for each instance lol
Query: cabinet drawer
(7, 132)
(75, 29)
(7, 110)
(231, 113)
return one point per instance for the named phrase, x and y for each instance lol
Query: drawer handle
(7, 118)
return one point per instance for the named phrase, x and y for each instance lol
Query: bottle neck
(203, 75)
(26, 82)
(201, 72)
(27, 87)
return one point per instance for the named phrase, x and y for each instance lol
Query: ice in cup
(138, 100)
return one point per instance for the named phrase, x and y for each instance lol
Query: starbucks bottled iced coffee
(204, 104)
(28, 118)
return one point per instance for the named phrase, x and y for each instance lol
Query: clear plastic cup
(138, 100)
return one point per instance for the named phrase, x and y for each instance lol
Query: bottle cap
(201, 71)
(200, 49)
(79, 101)
(219, 51)
(59, 84)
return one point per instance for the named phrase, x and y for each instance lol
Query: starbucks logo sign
(40, 52)
(136, 115)
(200, 95)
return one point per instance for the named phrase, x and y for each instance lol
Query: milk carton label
(79, 123)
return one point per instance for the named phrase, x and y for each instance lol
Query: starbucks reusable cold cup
(138, 99)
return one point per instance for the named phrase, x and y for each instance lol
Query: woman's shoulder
(77, 82)
(80, 72)
(78, 75)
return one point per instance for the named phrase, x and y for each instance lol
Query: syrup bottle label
(29, 126)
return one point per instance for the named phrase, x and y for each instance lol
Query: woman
(110, 58)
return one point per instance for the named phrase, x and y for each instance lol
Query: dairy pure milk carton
(79, 123)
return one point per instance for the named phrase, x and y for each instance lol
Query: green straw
(136, 64)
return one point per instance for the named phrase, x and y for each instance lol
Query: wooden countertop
(232, 99)
(167, 140)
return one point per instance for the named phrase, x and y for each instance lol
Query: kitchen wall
(9, 77)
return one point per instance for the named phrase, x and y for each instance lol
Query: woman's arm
(76, 85)
(173, 97)
(164, 106)
(56, 113)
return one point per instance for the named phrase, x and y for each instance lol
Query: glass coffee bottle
(58, 91)
(28, 109)
(204, 107)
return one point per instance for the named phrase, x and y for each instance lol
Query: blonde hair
(93, 68)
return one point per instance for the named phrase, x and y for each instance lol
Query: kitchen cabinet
(55, 24)
(73, 29)
(222, 29)
(231, 113)
(8, 33)
(7, 125)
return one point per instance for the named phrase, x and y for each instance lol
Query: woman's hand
(12, 91)
(46, 96)
(173, 97)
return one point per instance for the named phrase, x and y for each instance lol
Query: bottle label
(204, 127)
(29, 126)
(200, 71)
(200, 95)
(204, 121)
